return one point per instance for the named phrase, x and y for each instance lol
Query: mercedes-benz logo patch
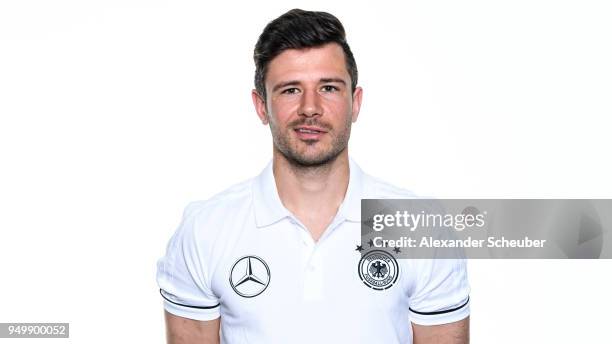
(378, 270)
(249, 276)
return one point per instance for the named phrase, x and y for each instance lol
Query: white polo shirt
(243, 256)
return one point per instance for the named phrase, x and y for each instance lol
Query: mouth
(309, 133)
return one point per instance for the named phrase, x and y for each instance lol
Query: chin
(312, 160)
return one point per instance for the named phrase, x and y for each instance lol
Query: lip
(305, 127)
(314, 133)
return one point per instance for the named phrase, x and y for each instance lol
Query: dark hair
(299, 29)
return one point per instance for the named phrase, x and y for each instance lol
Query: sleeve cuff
(442, 316)
(203, 313)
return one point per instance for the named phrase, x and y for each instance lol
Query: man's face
(309, 104)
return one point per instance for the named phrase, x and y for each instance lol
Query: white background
(115, 114)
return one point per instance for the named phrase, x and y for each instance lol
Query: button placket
(313, 276)
(312, 267)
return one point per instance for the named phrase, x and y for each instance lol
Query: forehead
(301, 64)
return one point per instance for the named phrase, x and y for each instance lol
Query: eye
(329, 88)
(291, 90)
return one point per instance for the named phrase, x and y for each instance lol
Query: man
(273, 259)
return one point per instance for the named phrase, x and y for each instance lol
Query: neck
(312, 193)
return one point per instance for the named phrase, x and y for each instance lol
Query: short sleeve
(182, 275)
(441, 292)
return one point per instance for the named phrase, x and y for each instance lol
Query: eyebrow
(296, 82)
(338, 80)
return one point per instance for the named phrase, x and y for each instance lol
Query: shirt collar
(269, 209)
(266, 202)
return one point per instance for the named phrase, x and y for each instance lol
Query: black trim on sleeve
(180, 304)
(441, 312)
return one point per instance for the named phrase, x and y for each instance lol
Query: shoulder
(377, 188)
(229, 201)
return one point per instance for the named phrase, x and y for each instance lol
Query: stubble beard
(301, 159)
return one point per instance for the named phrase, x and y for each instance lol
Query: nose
(310, 104)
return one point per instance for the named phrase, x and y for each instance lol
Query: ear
(260, 107)
(357, 95)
